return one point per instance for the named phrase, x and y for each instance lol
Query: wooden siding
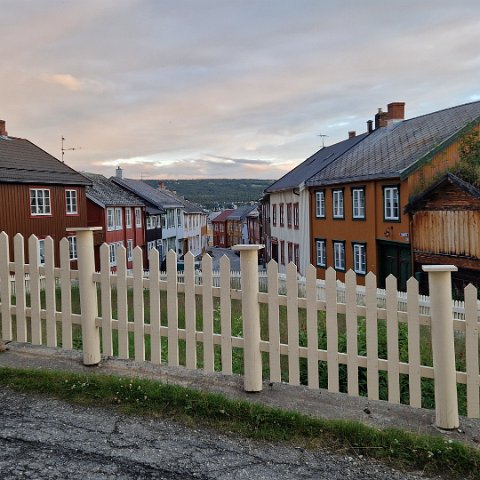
(447, 232)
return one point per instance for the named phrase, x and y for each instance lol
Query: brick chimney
(352, 134)
(395, 113)
(2, 128)
(161, 186)
(381, 119)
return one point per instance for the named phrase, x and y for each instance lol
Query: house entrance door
(394, 258)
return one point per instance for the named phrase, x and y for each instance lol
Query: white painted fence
(296, 336)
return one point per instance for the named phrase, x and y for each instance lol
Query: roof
(159, 198)
(312, 165)
(106, 193)
(417, 202)
(400, 148)
(23, 162)
(191, 207)
(222, 216)
(241, 212)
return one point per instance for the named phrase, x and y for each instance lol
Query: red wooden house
(119, 213)
(39, 195)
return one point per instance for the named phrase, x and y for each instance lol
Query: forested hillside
(217, 193)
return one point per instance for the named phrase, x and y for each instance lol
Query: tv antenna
(65, 149)
(322, 135)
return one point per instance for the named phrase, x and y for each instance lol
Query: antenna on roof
(65, 149)
(323, 138)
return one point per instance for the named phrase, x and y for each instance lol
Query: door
(395, 259)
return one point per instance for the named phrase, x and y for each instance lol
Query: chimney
(381, 119)
(161, 186)
(352, 134)
(119, 172)
(369, 126)
(396, 111)
(2, 128)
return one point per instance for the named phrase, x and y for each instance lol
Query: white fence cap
(247, 247)
(439, 268)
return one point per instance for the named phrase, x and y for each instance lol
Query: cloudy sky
(224, 88)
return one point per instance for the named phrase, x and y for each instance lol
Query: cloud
(64, 80)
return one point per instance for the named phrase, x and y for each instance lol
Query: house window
(40, 201)
(339, 255)
(296, 254)
(391, 203)
(138, 217)
(295, 215)
(360, 258)
(321, 251)
(150, 246)
(290, 252)
(337, 203)
(72, 247)
(118, 218)
(282, 214)
(150, 222)
(289, 215)
(179, 218)
(274, 215)
(282, 252)
(41, 252)
(113, 254)
(320, 204)
(71, 202)
(110, 219)
(128, 217)
(358, 203)
(129, 249)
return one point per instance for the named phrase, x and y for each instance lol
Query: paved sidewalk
(318, 403)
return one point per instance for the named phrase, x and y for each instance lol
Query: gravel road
(42, 438)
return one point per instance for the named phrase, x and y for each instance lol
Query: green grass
(400, 449)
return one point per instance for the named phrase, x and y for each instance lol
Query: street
(42, 438)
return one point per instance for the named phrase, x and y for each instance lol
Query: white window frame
(72, 247)
(150, 245)
(41, 251)
(320, 204)
(128, 217)
(71, 202)
(129, 249)
(40, 202)
(391, 207)
(321, 251)
(118, 218)
(110, 219)
(360, 258)
(358, 203)
(338, 204)
(339, 255)
(113, 254)
(150, 222)
(138, 217)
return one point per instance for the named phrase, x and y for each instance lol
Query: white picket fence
(294, 320)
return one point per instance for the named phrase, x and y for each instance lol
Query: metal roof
(23, 162)
(400, 148)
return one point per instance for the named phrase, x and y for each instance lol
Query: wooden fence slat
(292, 322)
(226, 315)
(5, 288)
(20, 291)
(172, 308)
(414, 376)
(106, 300)
(372, 335)
(138, 303)
(352, 332)
(208, 357)
(392, 341)
(122, 307)
(273, 322)
(312, 327)
(66, 300)
(332, 329)
(190, 312)
(472, 352)
(35, 303)
(50, 300)
(155, 315)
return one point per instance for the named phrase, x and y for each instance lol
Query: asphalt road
(42, 438)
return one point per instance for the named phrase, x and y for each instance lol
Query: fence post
(88, 294)
(440, 286)
(251, 316)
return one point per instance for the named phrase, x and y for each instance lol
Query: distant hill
(217, 193)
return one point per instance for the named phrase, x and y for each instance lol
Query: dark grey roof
(191, 207)
(400, 148)
(417, 202)
(314, 164)
(23, 162)
(241, 212)
(106, 193)
(159, 198)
